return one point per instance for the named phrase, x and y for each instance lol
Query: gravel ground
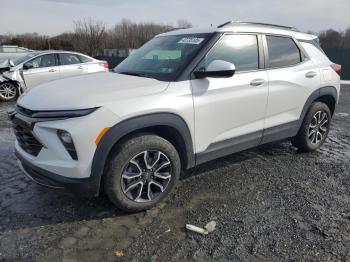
(271, 203)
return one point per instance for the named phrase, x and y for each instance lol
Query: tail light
(336, 68)
(104, 65)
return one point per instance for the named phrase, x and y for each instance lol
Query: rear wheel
(314, 129)
(142, 173)
(8, 91)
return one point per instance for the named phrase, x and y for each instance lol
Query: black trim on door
(280, 132)
(229, 146)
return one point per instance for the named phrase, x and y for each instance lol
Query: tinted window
(282, 51)
(43, 61)
(84, 59)
(241, 50)
(69, 59)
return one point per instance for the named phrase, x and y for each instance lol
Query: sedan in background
(40, 67)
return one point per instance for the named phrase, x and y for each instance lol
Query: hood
(88, 91)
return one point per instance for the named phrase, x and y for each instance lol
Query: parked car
(40, 67)
(184, 98)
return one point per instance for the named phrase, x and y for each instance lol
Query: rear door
(41, 69)
(292, 78)
(229, 112)
(71, 65)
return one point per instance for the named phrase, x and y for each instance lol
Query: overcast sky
(55, 16)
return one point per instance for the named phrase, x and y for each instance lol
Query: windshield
(23, 58)
(163, 57)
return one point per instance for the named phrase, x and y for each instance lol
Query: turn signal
(102, 133)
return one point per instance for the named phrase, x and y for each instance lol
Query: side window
(241, 50)
(69, 59)
(282, 51)
(42, 61)
(84, 59)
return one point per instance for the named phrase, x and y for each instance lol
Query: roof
(246, 27)
(54, 51)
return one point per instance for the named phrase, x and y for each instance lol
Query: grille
(27, 141)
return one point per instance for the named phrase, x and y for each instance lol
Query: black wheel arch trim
(175, 121)
(130, 125)
(323, 91)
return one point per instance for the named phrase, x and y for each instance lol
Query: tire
(314, 129)
(8, 91)
(128, 178)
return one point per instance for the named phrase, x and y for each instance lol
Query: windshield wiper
(132, 74)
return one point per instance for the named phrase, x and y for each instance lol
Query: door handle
(310, 74)
(257, 82)
(52, 70)
(80, 67)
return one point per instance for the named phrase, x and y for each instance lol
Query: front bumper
(86, 187)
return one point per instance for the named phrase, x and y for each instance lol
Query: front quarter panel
(175, 99)
(84, 130)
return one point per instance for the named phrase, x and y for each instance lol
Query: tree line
(91, 37)
(335, 39)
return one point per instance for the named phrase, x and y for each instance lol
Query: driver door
(40, 69)
(229, 112)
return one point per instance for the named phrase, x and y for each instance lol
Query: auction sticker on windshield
(191, 40)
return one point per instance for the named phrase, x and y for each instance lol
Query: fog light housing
(68, 143)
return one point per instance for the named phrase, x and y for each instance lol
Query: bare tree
(127, 34)
(331, 39)
(28, 40)
(346, 42)
(89, 36)
(183, 23)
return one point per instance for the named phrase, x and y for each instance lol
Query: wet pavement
(271, 203)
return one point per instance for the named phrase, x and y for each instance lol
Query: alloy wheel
(318, 127)
(7, 91)
(146, 176)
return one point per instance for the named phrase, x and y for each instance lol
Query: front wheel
(142, 173)
(314, 129)
(8, 91)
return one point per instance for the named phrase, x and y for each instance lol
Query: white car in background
(40, 67)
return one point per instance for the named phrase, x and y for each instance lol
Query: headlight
(68, 143)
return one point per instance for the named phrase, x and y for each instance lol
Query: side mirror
(217, 68)
(27, 66)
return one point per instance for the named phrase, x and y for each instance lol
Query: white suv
(184, 98)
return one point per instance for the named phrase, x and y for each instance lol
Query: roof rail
(253, 23)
